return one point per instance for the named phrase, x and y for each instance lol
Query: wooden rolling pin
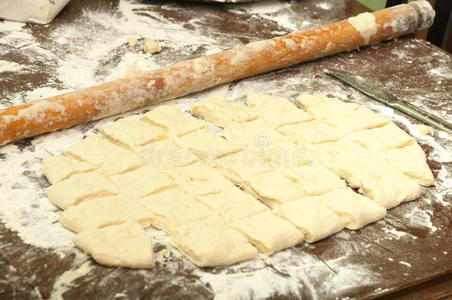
(186, 77)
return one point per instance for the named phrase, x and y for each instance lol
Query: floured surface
(348, 264)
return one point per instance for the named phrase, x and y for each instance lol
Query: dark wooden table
(415, 262)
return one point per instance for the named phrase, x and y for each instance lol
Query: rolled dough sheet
(166, 155)
(221, 112)
(312, 132)
(172, 120)
(143, 181)
(268, 232)
(206, 145)
(277, 111)
(355, 209)
(131, 132)
(57, 168)
(323, 107)
(173, 207)
(313, 218)
(411, 161)
(210, 242)
(102, 212)
(253, 134)
(199, 179)
(124, 245)
(80, 187)
(97, 150)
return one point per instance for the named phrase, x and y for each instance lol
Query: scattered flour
(7, 66)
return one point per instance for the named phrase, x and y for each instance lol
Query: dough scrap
(425, 130)
(221, 112)
(124, 245)
(206, 145)
(310, 216)
(173, 120)
(323, 107)
(173, 207)
(356, 210)
(143, 181)
(360, 119)
(312, 132)
(80, 187)
(210, 242)
(277, 111)
(255, 134)
(131, 132)
(57, 168)
(268, 232)
(166, 155)
(102, 212)
(151, 47)
(97, 150)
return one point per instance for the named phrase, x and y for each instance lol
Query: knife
(371, 89)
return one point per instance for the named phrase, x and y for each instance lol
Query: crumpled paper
(34, 11)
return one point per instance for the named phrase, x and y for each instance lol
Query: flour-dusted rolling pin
(186, 77)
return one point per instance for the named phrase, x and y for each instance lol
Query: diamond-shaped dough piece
(131, 132)
(277, 111)
(356, 210)
(315, 179)
(102, 212)
(57, 168)
(199, 179)
(173, 207)
(312, 132)
(173, 120)
(384, 138)
(143, 181)
(286, 154)
(206, 145)
(124, 245)
(360, 119)
(233, 204)
(411, 161)
(323, 107)
(80, 187)
(331, 152)
(310, 216)
(113, 159)
(210, 242)
(221, 112)
(166, 155)
(254, 134)
(274, 188)
(268, 232)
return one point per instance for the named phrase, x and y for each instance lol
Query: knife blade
(378, 93)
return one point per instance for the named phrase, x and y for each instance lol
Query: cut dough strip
(325, 107)
(254, 134)
(57, 168)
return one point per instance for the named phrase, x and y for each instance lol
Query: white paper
(35, 11)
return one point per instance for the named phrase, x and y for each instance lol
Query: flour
(7, 66)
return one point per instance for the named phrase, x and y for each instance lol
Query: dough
(113, 159)
(57, 168)
(269, 233)
(355, 209)
(277, 111)
(233, 204)
(152, 47)
(143, 181)
(166, 155)
(206, 145)
(173, 207)
(315, 179)
(411, 161)
(286, 154)
(210, 242)
(425, 130)
(124, 245)
(325, 107)
(199, 179)
(365, 24)
(173, 120)
(360, 119)
(80, 187)
(219, 111)
(255, 134)
(310, 216)
(102, 212)
(312, 132)
(131, 133)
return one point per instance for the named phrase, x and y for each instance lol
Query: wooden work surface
(397, 253)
